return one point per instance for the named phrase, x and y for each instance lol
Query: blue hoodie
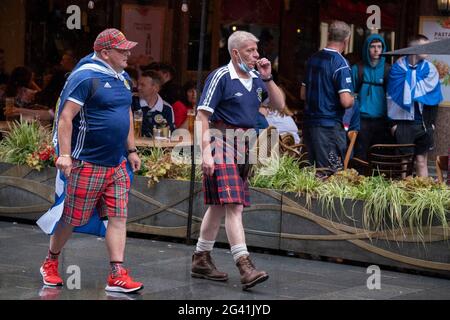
(372, 98)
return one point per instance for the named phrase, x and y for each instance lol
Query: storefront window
(268, 45)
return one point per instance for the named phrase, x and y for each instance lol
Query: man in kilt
(228, 111)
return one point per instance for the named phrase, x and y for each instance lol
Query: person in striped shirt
(230, 101)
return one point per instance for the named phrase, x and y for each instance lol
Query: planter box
(340, 234)
(276, 220)
(25, 193)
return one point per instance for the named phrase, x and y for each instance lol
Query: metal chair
(289, 147)
(386, 159)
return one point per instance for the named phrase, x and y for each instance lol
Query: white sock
(204, 245)
(238, 251)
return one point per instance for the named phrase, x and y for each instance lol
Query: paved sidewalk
(164, 267)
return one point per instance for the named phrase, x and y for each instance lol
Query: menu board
(145, 25)
(438, 28)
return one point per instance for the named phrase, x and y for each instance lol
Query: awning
(441, 47)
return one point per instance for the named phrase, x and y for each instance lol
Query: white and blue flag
(407, 85)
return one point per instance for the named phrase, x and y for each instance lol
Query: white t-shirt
(283, 124)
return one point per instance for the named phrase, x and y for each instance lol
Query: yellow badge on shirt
(127, 85)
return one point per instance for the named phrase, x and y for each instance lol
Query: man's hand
(135, 161)
(264, 68)
(65, 165)
(208, 164)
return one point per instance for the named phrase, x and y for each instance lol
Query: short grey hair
(417, 39)
(237, 39)
(338, 31)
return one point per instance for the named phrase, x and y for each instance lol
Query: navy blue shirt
(229, 100)
(152, 117)
(100, 129)
(327, 75)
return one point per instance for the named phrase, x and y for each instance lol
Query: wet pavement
(164, 268)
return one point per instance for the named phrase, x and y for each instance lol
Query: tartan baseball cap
(112, 39)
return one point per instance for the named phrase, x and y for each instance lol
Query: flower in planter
(44, 157)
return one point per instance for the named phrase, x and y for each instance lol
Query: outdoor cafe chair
(295, 150)
(352, 135)
(385, 159)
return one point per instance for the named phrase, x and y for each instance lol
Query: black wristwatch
(132, 150)
(268, 79)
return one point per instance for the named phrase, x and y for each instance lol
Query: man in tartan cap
(94, 140)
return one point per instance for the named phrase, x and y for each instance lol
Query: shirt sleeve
(212, 93)
(343, 78)
(81, 93)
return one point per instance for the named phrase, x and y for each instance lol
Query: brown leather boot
(203, 267)
(249, 275)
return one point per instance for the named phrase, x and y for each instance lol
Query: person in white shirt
(282, 120)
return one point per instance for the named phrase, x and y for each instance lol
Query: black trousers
(373, 131)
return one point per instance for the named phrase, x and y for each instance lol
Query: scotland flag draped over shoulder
(88, 68)
(422, 84)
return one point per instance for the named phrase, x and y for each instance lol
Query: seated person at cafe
(283, 121)
(187, 103)
(170, 91)
(23, 89)
(156, 112)
(20, 86)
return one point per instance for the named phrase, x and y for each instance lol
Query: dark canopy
(441, 47)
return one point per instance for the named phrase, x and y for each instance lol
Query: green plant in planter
(341, 186)
(276, 173)
(305, 183)
(428, 200)
(388, 206)
(159, 163)
(383, 201)
(24, 139)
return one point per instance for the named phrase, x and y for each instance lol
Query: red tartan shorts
(91, 186)
(229, 183)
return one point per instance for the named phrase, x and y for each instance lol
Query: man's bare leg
(422, 165)
(116, 235)
(233, 224)
(60, 236)
(211, 222)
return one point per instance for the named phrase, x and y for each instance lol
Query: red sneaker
(49, 272)
(123, 283)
